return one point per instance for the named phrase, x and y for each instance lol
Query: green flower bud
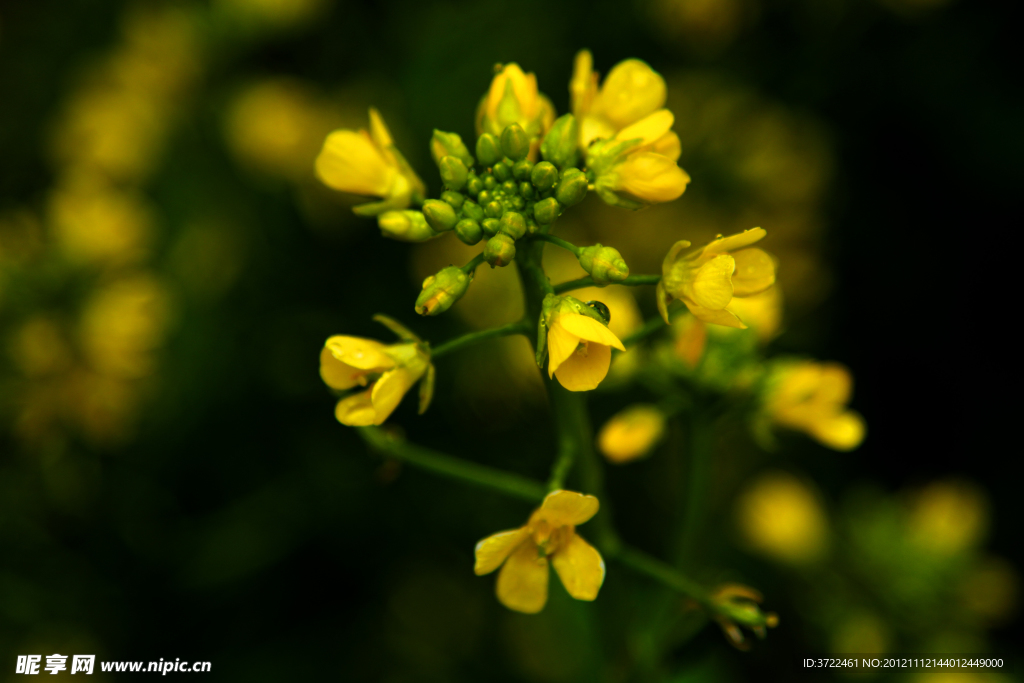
(453, 172)
(515, 143)
(604, 264)
(560, 144)
(500, 250)
(509, 187)
(405, 226)
(442, 290)
(472, 210)
(521, 170)
(501, 171)
(490, 226)
(544, 176)
(518, 203)
(488, 149)
(455, 199)
(474, 186)
(547, 210)
(444, 144)
(489, 182)
(532, 227)
(494, 210)
(485, 197)
(526, 190)
(513, 224)
(440, 215)
(572, 188)
(469, 231)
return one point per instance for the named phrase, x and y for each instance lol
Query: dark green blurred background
(172, 480)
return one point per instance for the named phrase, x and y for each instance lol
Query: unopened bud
(444, 144)
(513, 224)
(560, 144)
(544, 176)
(472, 210)
(500, 250)
(490, 226)
(469, 231)
(547, 210)
(440, 215)
(515, 143)
(453, 172)
(442, 290)
(502, 171)
(604, 264)
(488, 149)
(406, 226)
(453, 199)
(572, 188)
(522, 169)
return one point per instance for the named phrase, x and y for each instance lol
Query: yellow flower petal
(631, 91)
(364, 354)
(668, 146)
(585, 369)
(583, 86)
(717, 317)
(388, 391)
(523, 581)
(580, 568)
(495, 549)
(349, 162)
(356, 410)
(649, 129)
(379, 132)
(589, 329)
(561, 345)
(338, 375)
(712, 283)
(734, 242)
(842, 432)
(755, 272)
(836, 384)
(651, 177)
(566, 507)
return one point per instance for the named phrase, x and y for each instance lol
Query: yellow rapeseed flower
(708, 279)
(550, 533)
(781, 517)
(578, 345)
(631, 433)
(388, 372)
(368, 163)
(811, 397)
(514, 98)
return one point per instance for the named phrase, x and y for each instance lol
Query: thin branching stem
(631, 281)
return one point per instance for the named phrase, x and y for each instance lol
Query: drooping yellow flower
(631, 433)
(513, 98)
(709, 278)
(388, 372)
(523, 554)
(811, 397)
(779, 516)
(369, 164)
(578, 345)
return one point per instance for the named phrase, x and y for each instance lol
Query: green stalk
(558, 241)
(519, 327)
(632, 281)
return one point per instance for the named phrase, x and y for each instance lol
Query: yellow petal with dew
(566, 507)
(495, 549)
(364, 354)
(649, 129)
(356, 410)
(631, 91)
(723, 245)
(523, 580)
(585, 369)
(589, 329)
(561, 345)
(723, 316)
(755, 272)
(712, 283)
(580, 567)
(388, 391)
(350, 162)
(842, 432)
(651, 177)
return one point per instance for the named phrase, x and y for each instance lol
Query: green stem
(632, 281)
(451, 467)
(698, 451)
(520, 327)
(649, 328)
(656, 569)
(558, 241)
(472, 265)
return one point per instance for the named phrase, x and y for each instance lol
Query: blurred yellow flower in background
(708, 279)
(122, 325)
(948, 517)
(631, 433)
(97, 223)
(369, 164)
(523, 554)
(811, 397)
(780, 516)
(514, 98)
(390, 371)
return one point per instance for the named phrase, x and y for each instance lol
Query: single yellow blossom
(387, 372)
(811, 397)
(513, 98)
(948, 517)
(710, 278)
(523, 554)
(578, 344)
(780, 516)
(631, 433)
(369, 164)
